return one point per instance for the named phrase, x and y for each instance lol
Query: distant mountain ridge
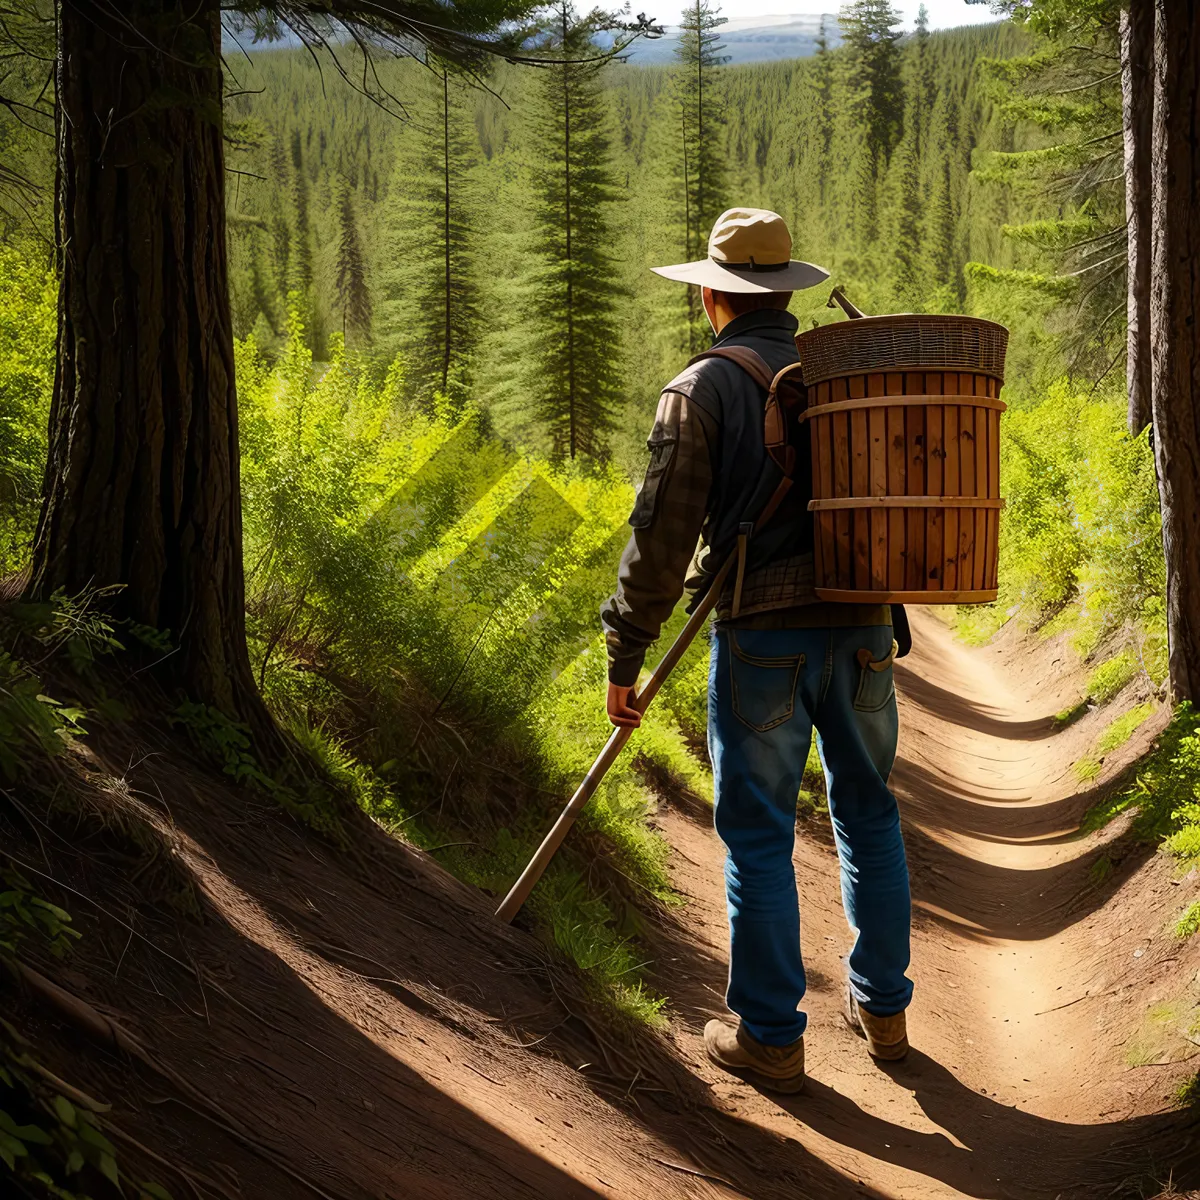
(750, 39)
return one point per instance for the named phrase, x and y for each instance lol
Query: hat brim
(794, 277)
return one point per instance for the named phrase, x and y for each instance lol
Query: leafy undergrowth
(1080, 538)
(423, 612)
(1115, 734)
(1188, 924)
(1165, 797)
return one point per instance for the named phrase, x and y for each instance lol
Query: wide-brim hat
(749, 250)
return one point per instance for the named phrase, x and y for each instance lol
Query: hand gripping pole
(519, 893)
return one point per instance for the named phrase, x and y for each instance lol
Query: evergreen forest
(446, 351)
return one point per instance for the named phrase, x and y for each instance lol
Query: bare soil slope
(343, 1023)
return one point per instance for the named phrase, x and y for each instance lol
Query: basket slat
(904, 413)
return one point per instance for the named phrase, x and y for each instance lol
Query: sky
(943, 14)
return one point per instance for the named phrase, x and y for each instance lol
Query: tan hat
(749, 250)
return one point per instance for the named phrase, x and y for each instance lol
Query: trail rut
(1028, 975)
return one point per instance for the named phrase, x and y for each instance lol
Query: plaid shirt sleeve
(667, 519)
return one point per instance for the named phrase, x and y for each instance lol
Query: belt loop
(745, 529)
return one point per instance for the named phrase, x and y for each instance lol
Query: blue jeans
(768, 689)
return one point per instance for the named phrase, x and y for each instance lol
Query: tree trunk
(1175, 326)
(142, 484)
(1137, 89)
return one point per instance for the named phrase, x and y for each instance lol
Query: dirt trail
(1027, 975)
(354, 1024)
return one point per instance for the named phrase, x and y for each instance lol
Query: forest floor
(353, 1024)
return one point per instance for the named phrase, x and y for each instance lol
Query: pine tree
(432, 314)
(870, 36)
(350, 285)
(822, 114)
(575, 381)
(701, 167)
(903, 241)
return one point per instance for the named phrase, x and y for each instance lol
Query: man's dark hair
(740, 303)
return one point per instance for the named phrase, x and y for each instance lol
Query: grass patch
(1187, 1095)
(1110, 677)
(977, 624)
(1185, 843)
(1123, 728)
(1166, 795)
(1188, 924)
(1087, 768)
(1100, 870)
(582, 925)
(1068, 716)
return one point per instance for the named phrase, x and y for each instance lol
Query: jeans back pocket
(764, 686)
(876, 684)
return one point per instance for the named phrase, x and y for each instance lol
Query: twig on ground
(690, 1171)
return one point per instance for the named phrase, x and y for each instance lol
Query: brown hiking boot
(778, 1068)
(886, 1037)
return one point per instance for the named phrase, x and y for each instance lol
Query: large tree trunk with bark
(142, 484)
(1175, 326)
(1137, 88)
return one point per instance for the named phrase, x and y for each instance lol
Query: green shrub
(28, 316)
(389, 547)
(1111, 676)
(1189, 922)
(1080, 536)
(1187, 1094)
(1166, 795)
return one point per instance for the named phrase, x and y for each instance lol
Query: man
(783, 664)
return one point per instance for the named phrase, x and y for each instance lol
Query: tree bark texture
(142, 484)
(1175, 332)
(1137, 88)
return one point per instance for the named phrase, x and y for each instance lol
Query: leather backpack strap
(775, 422)
(749, 360)
(774, 437)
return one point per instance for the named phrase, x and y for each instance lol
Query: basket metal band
(905, 502)
(825, 410)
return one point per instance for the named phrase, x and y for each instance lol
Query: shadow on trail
(408, 929)
(958, 710)
(984, 899)
(1013, 821)
(1004, 1153)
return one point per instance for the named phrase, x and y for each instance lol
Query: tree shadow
(990, 818)
(292, 1068)
(958, 710)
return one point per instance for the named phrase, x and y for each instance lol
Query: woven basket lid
(902, 342)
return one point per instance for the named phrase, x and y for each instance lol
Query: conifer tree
(350, 285)
(904, 210)
(870, 36)
(575, 381)
(700, 167)
(152, 514)
(302, 257)
(821, 110)
(432, 309)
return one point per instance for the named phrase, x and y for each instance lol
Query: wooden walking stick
(775, 441)
(520, 890)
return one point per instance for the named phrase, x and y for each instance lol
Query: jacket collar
(771, 323)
